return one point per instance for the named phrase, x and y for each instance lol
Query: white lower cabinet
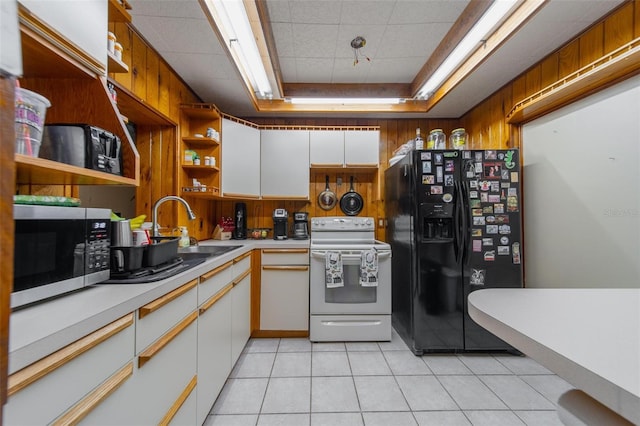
(56, 385)
(284, 290)
(240, 312)
(214, 337)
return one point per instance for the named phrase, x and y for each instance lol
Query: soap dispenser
(184, 237)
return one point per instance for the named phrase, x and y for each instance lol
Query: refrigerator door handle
(466, 221)
(459, 228)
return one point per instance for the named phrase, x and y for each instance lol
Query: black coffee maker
(240, 222)
(280, 224)
(301, 226)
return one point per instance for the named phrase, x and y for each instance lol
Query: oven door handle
(322, 255)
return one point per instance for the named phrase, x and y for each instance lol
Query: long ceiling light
(344, 101)
(232, 20)
(480, 31)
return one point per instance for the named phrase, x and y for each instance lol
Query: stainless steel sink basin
(194, 252)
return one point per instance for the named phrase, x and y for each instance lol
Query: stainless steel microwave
(57, 250)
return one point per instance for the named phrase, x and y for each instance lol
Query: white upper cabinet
(82, 22)
(284, 164)
(240, 160)
(326, 148)
(362, 148)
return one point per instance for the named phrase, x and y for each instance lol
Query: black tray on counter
(155, 273)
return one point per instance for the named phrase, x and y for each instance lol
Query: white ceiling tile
(345, 72)
(173, 8)
(288, 69)
(315, 11)
(177, 34)
(278, 11)
(197, 66)
(283, 37)
(361, 12)
(402, 70)
(411, 40)
(311, 70)
(421, 11)
(314, 41)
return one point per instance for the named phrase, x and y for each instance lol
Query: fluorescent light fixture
(344, 101)
(233, 22)
(496, 12)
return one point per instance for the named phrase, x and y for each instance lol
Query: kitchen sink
(193, 252)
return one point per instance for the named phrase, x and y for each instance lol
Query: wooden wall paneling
(618, 28)
(533, 77)
(138, 67)
(144, 194)
(636, 18)
(164, 88)
(549, 70)
(568, 61)
(152, 71)
(591, 44)
(7, 188)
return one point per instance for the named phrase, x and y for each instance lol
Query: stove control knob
(368, 222)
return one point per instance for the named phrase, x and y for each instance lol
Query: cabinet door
(326, 148)
(214, 349)
(284, 164)
(361, 148)
(284, 297)
(240, 315)
(240, 160)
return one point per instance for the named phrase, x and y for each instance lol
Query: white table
(589, 337)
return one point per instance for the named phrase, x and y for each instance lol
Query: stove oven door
(352, 298)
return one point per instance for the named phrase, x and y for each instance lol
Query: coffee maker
(280, 224)
(240, 222)
(301, 226)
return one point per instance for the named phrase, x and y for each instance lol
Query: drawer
(285, 256)
(42, 391)
(241, 264)
(158, 316)
(213, 281)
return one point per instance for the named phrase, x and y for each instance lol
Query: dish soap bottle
(184, 237)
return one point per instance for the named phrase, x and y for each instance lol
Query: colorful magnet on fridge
(447, 198)
(489, 256)
(509, 160)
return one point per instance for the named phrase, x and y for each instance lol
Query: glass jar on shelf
(458, 139)
(436, 139)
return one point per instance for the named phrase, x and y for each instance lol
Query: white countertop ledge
(39, 330)
(589, 337)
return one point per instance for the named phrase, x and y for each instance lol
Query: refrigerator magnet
(470, 174)
(492, 229)
(492, 170)
(487, 241)
(498, 208)
(473, 184)
(505, 174)
(478, 168)
(490, 155)
(425, 156)
(437, 158)
(439, 174)
(479, 156)
(490, 219)
(514, 176)
(477, 246)
(428, 179)
(504, 229)
(448, 166)
(476, 232)
(495, 186)
(512, 192)
(493, 198)
(447, 198)
(509, 161)
(484, 197)
(505, 185)
(475, 204)
(448, 180)
(477, 277)
(512, 204)
(489, 256)
(503, 251)
(426, 167)
(485, 185)
(436, 189)
(476, 212)
(478, 221)
(502, 218)
(466, 155)
(504, 241)
(487, 210)
(500, 155)
(473, 194)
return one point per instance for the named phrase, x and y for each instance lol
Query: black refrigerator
(454, 225)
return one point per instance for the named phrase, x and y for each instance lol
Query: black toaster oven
(82, 145)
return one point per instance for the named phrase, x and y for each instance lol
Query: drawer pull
(241, 277)
(161, 301)
(26, 376)
(241, 258)
(95, 398)
(146, 355)
(285, 251)
(219, 295)
(208, 275)
(234, 195)
(285, 268)
(327, 165)
(179, 402)
(285, 197)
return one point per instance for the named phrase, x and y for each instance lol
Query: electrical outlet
(381, 223)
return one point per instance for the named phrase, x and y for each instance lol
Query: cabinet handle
(328, 165)
(146, 355)
(179, 402)
(26, 376)
(285, 197)
(219, 295)
(211, 273)
(247, 196)
(285, 251)
(242, 257)
(161, 301)
(95, 398)
(362, 164)
(285, 268)
(241, 277)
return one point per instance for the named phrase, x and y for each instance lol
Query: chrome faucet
(154, 223)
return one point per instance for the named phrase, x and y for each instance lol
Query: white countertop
(589, 337)
(39, 330)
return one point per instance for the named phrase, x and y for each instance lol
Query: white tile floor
(294, 382)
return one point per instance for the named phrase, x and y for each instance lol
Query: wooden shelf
(38, 171)
(137, 110)
(201, 111)
(118, 12)
(607, 70)
(204, 169)
(116, 65)
(211, 192)
(195, 141)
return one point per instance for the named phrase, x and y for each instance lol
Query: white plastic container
(30, 111)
